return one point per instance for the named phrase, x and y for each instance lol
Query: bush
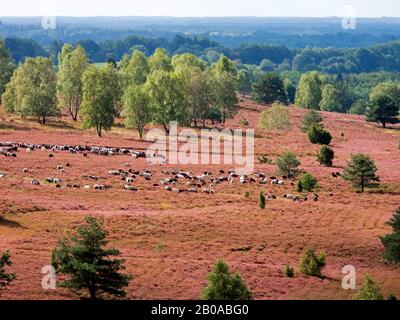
(247, 194)
(311, 118)
(264, 160)
(325, 156)
(261, 200)
(5, 277)
(311, 264)
(308, 182)
(223, 286)
(299, 186)
(318, 135)
(391, 242)
(288, 164)
(244, 122)
(275, 118)
(369, 291)
(288, 271)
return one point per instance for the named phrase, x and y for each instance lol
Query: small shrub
(288, 164)
(275, 118)
(369, 291)
(264, 160)
(391, 242)
(313, 117)
(261, 200)
(244, 122)
(247, 194)
(308, 182)
(224, 286)
(288, 271)
(325, 156)
(5, 277)
(299, 186)
(318, 135)
(311, 264)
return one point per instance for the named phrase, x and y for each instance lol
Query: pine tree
(288, 164)
(224, 286)
(360, 171)
(5, 278)
(369, 291)
(391, 242)
(311, 264)
(88, 263)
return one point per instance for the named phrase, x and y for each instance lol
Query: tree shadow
(10, 223)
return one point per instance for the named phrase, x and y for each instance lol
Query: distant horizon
(201, 8)
(207, 17)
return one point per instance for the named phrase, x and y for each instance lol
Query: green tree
(32, 90)
(261, 200)
(318, 135)
(71, 65)
(361, 171)
(166, 94)
(311, 118)
(308, 182)
(391, 242)
(330, 99)
(325, 156)
(6, 67)
(244, 81)
(276, 117)
(180, 62)
(5, 277)
(309, 92)
(311, 264)
(288, 164)
(369, 291)
(290, 90)
(135, 69)
(270, 88)
(88, 264)
(223, 89)
(224, 286)
(160, 61)
(383, 109)
(99, 96)
(137, 108)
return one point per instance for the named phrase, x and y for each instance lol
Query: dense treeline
(157, 89)
(184, 88)
(384, 57)
(231, 32)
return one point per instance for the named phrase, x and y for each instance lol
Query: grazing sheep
(168, 188)
(208, 191)
(35, 182)
(192, 190)
(130, 188)
(129, 180)
(25, 170)
(2, 174)
(86, 187)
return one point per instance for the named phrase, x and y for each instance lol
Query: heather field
(171, 240)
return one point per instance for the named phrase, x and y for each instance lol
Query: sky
(200, 8)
